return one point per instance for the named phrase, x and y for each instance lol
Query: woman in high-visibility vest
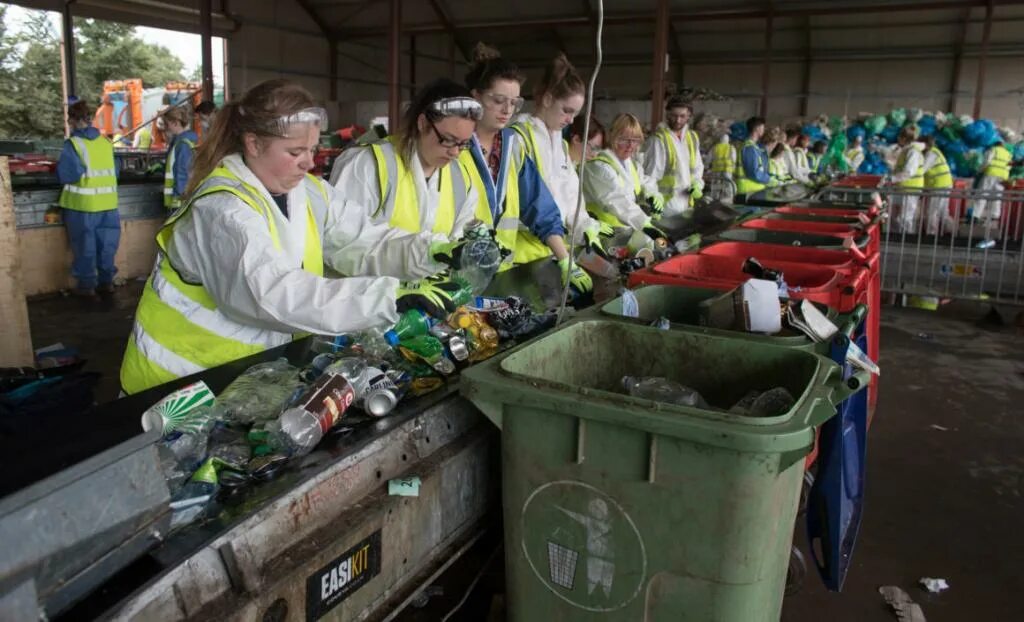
(179, 154)
(558, 97)
(414, 194)
(240, 267)
(513, 199)
(908, 178)
(938, 180)
(616, 190)
(86, 168)
(778, 166)
(721, 186)
(581, 149)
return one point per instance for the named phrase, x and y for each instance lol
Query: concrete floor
(943, 503)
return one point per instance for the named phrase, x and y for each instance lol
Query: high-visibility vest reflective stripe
(178, 328)
(744, 184)
(667, 183)
(398, 191)
(917, 181)
(171, 201)
(939, 175)
(528, 246)
(508, 225)
(813, 161)
(801, 159)
(999, 167)
(597, 210)
(723, 158)
(778, 171)
(96, 191)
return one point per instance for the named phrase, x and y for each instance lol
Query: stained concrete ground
(945, 482)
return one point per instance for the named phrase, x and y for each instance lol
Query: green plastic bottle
(413, 323)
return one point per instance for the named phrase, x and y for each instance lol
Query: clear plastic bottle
(322, 406)
(663, 390)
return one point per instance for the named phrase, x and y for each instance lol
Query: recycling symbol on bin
(583, 546)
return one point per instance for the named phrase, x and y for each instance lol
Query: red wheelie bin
(839, 230)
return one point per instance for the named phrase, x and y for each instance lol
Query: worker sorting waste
(240, 266)
(672, 156)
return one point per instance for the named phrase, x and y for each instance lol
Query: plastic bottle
(320, 407)
(189, 502)
(412, 324)
(354, 370)
(479, 262)
(430, 350)
(663, 390)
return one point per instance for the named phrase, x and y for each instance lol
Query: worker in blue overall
(89, 199)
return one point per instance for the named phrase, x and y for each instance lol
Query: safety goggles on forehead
(312, 116)
(464, 107)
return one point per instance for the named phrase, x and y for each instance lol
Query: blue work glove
(428, 295)
(577, 276)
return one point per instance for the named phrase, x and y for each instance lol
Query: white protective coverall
(368, 245)
(990, 205)
(656, 159)
(559, 173)
(226, 245)
(793, 167)
(908, 203)
(611, 188)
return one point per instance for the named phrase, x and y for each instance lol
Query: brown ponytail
(257, 112)
(560, 81)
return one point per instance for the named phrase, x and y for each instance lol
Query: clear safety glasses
(311, 116)
(465, 107)
(504, 102)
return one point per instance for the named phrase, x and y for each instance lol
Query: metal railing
(960, 243)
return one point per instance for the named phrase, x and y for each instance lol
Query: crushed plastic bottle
(663, 390)
(194, 497)
(479, 262)
(771, 403)
(430, 350)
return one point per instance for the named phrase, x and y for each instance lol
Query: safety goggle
(464, 107)
(311, 116)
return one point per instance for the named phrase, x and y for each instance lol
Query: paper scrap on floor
(903, 606)
(934, 586)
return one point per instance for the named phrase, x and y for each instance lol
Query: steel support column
(332, 63)
(658, 63)
(766, 68)
(206, 36)
(958, 61)
(394, 64)
(68, 25)
(979, 88)
(412, 66)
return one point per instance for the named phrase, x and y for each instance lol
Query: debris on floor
(903, 606)
(935, 586)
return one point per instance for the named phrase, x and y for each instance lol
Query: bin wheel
(805, 493)
(796, 573)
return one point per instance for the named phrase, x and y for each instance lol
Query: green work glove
(430, 296)
(656, 203)
(592, 237)
(576, 277)
(653, 232)
(448, 253)
(697, 192)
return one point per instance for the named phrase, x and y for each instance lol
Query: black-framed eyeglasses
(447, 141)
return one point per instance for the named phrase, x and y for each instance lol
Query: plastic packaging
(663, 390)
(194, 497)
(479, 262)
(412, 323)
(770, 403)
(259, 393)
(355, 371)
(428, 349)
(482, 339)
(319, 409)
